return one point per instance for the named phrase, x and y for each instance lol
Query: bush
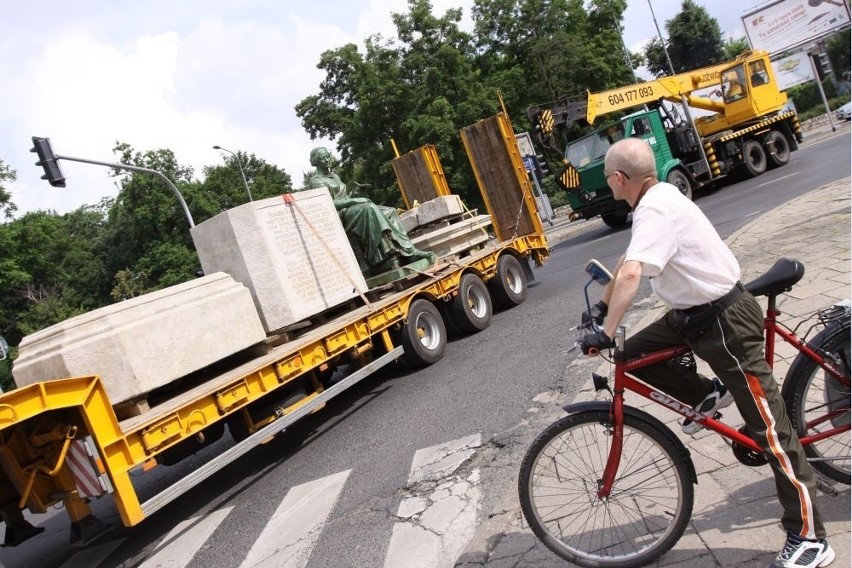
(807, 97)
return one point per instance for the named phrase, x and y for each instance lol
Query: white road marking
(440, 519)
(293, 531)
(183, 542)
(777, 179)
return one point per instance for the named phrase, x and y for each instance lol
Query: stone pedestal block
(439, 208)
(144, 343)
(455, 238)
(294, 257)
(409, 219)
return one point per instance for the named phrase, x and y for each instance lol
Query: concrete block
(294, 258)
(439, 208)
(409, 219)
(140, 344)
(456, 237)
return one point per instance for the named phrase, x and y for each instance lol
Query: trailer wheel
(471, 309)
(424, 337)
(678, 179)
(754, 158)
(615, 220)
(509, 286)
(777, 149)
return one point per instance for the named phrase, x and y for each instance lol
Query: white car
(845, 112)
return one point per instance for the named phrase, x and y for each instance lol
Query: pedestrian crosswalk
(435, 519)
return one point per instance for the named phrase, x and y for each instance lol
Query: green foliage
(734, 47)
(837, 48)
(807, 98)
(437, 79)
(694, 41)
(7, 174)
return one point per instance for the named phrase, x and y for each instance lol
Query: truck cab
(583, 174)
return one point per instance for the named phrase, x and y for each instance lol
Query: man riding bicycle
(697, 276)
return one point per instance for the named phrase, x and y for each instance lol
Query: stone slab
(432, 211)
(144, 343)
(294, 258)
(439, 208)
(456, 237)
(409, 220)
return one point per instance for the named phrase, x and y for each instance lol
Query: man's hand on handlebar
(598, 314)
(593, 343)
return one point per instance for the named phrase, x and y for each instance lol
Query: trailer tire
(777, 149)
(754, 158)
(615, 220)
(680, 180)
(471, 308)
(424, 336)
(509, 285)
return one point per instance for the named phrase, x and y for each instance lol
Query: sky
(189, 75)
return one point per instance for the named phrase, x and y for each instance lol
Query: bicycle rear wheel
(646, 512)
(817, 401)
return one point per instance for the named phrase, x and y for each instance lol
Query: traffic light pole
(141, 170)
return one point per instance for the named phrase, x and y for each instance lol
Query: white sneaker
(801, 553)
(719, 398)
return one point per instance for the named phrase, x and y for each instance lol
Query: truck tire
(680, 180)
(423, 337)
(777, 149)
(615, 220)
(754, 158)
(471, 309)
(509, 285)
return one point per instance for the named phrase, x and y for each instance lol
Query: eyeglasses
(622, 172)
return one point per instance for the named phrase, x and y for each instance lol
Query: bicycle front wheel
(818, 402)
(646, 512)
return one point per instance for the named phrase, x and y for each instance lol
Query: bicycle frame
(623, 381)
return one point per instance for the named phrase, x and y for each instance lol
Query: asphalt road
(503, 383)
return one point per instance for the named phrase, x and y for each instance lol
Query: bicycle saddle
(779, 278)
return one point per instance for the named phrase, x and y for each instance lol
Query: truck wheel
(424, 337)
(777, 149)
(754, 158)
(678, 179)
(471, 308)
(509, 285)
(615, 219)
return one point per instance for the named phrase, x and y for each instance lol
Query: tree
(224, 187)
(694, 41)
(421, 89)
(734, 47)
(838, 53)
(146, 214)
(7, 207)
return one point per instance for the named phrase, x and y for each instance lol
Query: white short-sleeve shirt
(680, 250)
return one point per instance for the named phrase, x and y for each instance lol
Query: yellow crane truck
(749, 131)
(62, 443)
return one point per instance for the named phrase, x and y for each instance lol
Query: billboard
(793, 70)
(786, 23)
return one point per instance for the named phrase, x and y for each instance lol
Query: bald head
(632, 156)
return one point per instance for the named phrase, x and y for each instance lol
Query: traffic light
(47, 160)
(823, 64)
(542, 164)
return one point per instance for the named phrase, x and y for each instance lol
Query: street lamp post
(239, 165)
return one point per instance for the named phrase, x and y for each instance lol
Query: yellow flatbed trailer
(61, 441)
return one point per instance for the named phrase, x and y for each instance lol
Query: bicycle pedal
(717, 415)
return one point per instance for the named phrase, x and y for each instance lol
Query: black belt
(723, 302)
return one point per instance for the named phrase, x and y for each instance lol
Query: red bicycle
(611, 485)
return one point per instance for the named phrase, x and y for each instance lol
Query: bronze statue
(375, 232)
